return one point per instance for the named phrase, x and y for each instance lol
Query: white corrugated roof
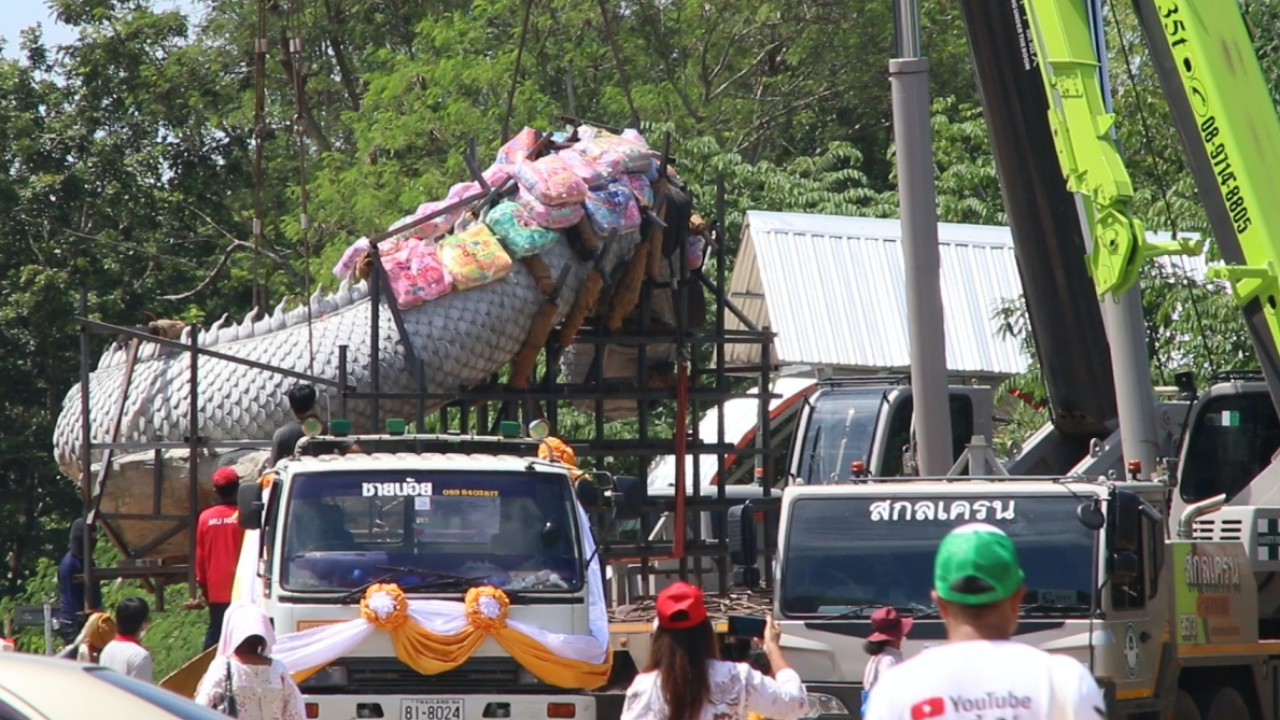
(833, 289)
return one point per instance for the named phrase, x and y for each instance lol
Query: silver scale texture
(463, 338)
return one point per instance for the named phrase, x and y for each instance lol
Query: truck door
(1136, 545)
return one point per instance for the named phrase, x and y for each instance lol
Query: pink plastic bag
(416, 273)
(554, 217)
(431, 229)
(584, 167)
(518, 147)
(350, 258)
(613, 208)
(551, 180)
(635, 157)
(495, 176)
(640, 186)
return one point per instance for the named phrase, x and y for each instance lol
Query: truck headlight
(328, 676)
(824, 704)
(524, 677)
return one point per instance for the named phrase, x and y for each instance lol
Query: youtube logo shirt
(985, 680)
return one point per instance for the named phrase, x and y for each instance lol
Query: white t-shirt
(127, 658)
(735, 690)
(994, 680)
(878, 665)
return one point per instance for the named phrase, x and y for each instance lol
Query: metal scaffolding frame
(705, 383)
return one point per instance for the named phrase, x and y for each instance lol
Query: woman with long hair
(686, 679)
(243, 680)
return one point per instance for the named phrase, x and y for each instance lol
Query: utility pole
(1124, 322)
(917, 203)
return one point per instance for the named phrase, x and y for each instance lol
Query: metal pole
(1125, 325)
(909, 80)
(193, 462)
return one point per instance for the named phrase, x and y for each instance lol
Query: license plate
(431, 709)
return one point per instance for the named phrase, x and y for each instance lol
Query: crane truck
(1159, 579)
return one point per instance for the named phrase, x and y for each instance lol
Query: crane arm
(1223, 111)
(1087, 152)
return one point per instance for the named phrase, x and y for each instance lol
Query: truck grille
(389, 676)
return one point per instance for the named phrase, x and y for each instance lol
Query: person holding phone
(686, 680)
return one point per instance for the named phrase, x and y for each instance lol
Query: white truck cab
(436, 515)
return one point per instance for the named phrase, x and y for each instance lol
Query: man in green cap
(980, 671)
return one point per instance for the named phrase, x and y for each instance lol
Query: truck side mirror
(742, 535)
(588, 494)
(1125, 567)
(630, 496)
(249, 502)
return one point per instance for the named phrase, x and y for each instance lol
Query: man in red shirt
(218, 536)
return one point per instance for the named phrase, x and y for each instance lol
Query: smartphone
(746, 626)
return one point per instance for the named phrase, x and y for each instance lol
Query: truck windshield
(840, 429)
(434, 531)
(846, 554)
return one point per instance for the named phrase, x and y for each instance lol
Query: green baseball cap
(976, 564)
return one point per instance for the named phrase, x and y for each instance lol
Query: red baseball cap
(225, 476)
(680, 606)
(886, 624)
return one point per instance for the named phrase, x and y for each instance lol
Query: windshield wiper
(436, 579)
(445, 580)
(357, 592)
(852, 612)
(917, 611)
(1043, 609)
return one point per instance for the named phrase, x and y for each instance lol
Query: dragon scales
(462, 338)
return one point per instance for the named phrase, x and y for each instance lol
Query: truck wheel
(1228, 705)
(1184, 707)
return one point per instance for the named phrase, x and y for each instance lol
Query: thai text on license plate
(431, 709)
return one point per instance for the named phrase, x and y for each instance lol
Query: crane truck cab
(1102, 583)
(437, 516)
(1164, 592)
(866, 420)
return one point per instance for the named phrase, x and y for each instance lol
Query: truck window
(840, 429)
(515, 530)
(1231, 441)
(900, 431)
(1133, 595)
(844, 553)
(270, 523)
(1155, 556)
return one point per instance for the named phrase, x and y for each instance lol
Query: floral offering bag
(518, 147)
(584, 167)
(518, 231)
(554, 217)
(613, 208)
(474, 257)
(640, 186)
(416, 273)
(551, 180)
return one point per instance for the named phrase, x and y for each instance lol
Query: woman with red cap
(884, 645)
(686, 680)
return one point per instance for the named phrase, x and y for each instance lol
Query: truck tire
(1228, 705)
(1184, 707)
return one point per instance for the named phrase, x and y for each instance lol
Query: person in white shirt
(884, 645)
(685, 680)
(978, 588)
(125, 653)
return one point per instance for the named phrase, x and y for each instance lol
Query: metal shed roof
(833, 289)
